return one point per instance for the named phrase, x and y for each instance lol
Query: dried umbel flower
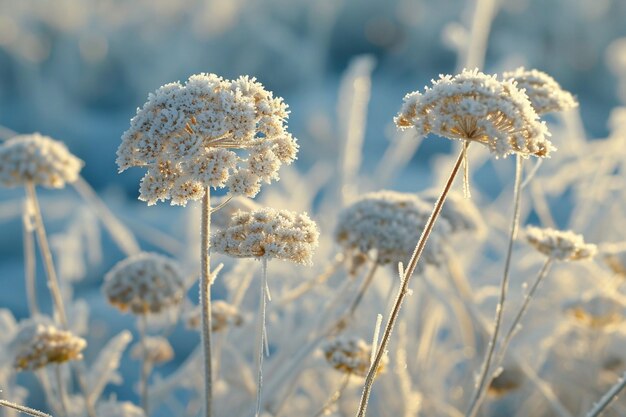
(597, 312)
(475, 107)
(39, 160)
(616, 260)
(159, 350)
(38, 345)
(508, 380)
(351, 355)
(560, 245)
(545, 94)
(208, 132)
(144, 283)
(119, 409)
(390, 223)
(268, 233)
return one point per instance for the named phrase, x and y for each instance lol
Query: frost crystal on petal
(545, 94)
(279, 234)
(144, 283)
(472, 106)
(38, 345)
(560, 245)
(38, 159)
(207, 132)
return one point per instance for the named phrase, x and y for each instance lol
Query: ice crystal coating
(159, 350)
(351, 355)
(144, 283)
(119, 409)
(544, 93)
(472, 106)
(269, 233)
(38, 159)
(194, 135)
(560, 245)
(616, 260)
(38, 345)
(390, 223)
(597, 312)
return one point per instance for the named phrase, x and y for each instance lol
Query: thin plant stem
(334, 397)
(205, 300)
(261, 335)
(29, 260)
(504, 286)
(46, 254)
(145, 364)
(366, 283)
(61, 390)
(23, 409)
(404, 287)
(608, 398)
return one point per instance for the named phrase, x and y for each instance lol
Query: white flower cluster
(38, 345)
(159, 350)
(390, 223)
(270, 233)
(37, 159)
(144, 283)
(187, 135)
(473, 106)
(560, 245)
(119, 409)
(545, 94)
(597, 311)
(351, 355)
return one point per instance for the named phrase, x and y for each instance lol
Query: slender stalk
(404, 287)
(205, 300)
(366, 283)
(23, 409)
(475, 403)
(261, 336)
(145, 364)
(29, 260)
(61, 390)
(608, 398)
(46, 254)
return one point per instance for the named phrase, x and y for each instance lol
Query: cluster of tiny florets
(351, 355)
(39, 160)
(473, 106)
(158, 350)
(560, 245)
(544, 93)
(38, 345)
(192, 136)
(144, 283)
(597, 311)
(268, 233)
(390, 223)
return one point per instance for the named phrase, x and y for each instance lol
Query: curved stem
(145, 364)
(608, 398)
(205, 300)
(44, 247)
(261, 336)
(23, 409)
(475, 403)
(404, 287)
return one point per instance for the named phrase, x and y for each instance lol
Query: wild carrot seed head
(560, 245)
(38, 159)
(351, 355)
(38, 345)
(196, 135)
(472, 106)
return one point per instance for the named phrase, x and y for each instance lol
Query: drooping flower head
(208, 132)
(472, 106)
(144, 283)
(545, 94)
(38, 345)
(560, 245)
(269, 233)
(390, 223)
(38, 159)
(351, 355)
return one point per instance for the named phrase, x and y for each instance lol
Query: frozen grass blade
(23, 409)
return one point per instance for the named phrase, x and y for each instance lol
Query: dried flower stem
(24, 409)
(46, 254)
(205, 300)
(29, 265)
(61, 390)
(475, 403)
(261, 335)
(142, 324)
(404, 287)
(608, 398)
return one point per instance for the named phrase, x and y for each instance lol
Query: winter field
(291, 208)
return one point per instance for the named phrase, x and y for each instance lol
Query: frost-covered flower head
(560, 245)
(351, 355)
(390, 223)
(545, 94)
(269, 233)
(144, 283)
(37, 345)
(598, 311)
(159, 350)
(114, 408)
(208, 132)
(472, 106)
(38, 159)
